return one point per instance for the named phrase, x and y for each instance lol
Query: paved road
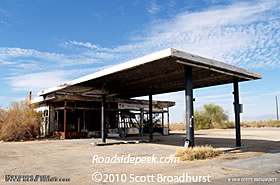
(73, 158)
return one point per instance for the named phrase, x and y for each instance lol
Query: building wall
(52, 120)
(44, 108)
(83, 117)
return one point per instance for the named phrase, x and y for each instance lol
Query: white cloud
(153, 7)
(82, 44)
(38, 81)
(15, 56)
(207, 98)
(245, 34)
(42, 80)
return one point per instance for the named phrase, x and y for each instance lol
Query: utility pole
(277, 109)
(30, 96)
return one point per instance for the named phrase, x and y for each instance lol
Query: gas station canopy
(157, 73)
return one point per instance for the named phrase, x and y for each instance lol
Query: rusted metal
(30, 96)
(71, 135)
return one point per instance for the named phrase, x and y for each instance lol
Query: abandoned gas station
(79, 116)
(165, 71)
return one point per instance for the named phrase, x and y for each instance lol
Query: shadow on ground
(254, 145)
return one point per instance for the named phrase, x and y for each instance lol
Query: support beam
(141, 122)
(103, 124)
(57, 120)
(189, 107)
(84, 128)
(168, 119)
(237, 112)
(162, 122)
(150, 117)
(65, 117)
(79, 124)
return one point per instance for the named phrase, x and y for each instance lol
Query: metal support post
(141, 122)
(65, 117)
(237, 112)
(103, 124)
(162, 121)
(189, 107)
(150, 117)
(168, 119)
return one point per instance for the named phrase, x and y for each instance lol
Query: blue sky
(45, 43)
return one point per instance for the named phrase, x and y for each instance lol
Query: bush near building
(2, 117)
(210, 116)
(19, 122)
(213, 116)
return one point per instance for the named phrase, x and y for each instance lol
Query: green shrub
(211, 116)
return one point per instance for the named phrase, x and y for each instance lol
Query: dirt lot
(73, 158)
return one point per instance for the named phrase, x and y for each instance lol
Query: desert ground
(72, 158)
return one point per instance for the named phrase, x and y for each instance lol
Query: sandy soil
(73, 158)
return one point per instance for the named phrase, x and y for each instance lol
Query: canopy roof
(157, 73)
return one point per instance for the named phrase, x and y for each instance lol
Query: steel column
(84, 113)
(162, 121)
(150, 117)
(168, 119)
(65, 117)
(236, 111)
(103, 124)
(189, 107)
(79, 124)
(141, 122)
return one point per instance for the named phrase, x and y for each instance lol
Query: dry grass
(19, 122)
(2, 117)
(230, 124)
(259, 124)
(177, 127)
(197, 153)
(224, 125)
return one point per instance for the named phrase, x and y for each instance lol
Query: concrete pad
(266, 162)
(73, 158)
(228, 149)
